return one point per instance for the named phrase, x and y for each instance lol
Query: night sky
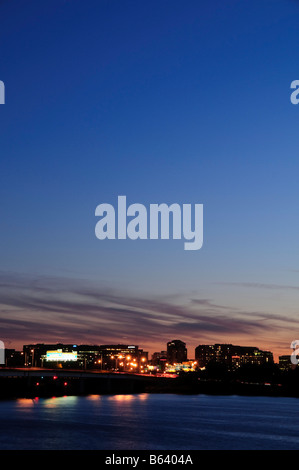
(164, 102)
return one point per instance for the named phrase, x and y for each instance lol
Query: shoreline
(47, 384)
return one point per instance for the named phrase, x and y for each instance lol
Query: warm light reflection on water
(127, 398)
(25, 402)
(118, 398)
(53, 402)
(143, 396)
(61, 401)
(93, 397)
(123, 422)
(64, 401)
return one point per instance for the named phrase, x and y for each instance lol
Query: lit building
(122, 357)
(63, 355)
(206, 353)
(231, 355)
(285, 363)
(14, 358)
(176, 352)
(105, 357)
(188, 366)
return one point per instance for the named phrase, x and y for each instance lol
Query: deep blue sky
(169, 101)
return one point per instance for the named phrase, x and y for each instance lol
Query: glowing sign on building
(59, 356)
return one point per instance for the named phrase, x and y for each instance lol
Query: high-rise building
(231, 355)
(176, 352)
(105, 357)
(50, 355)
(122, 357)
(14, 358)
(285, 363)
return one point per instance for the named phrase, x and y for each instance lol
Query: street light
(120, 357)
(100, 361)
(128, 358)
(32, 350)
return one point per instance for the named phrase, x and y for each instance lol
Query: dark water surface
(153, 422)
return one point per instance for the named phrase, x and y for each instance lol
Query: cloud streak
(257, 285)
(45, 309)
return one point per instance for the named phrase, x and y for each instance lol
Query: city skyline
(134, 346)
(58, 298)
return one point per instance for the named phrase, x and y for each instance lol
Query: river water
(150, 422)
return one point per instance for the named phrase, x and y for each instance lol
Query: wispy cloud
(258, 285)
(52, 309)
